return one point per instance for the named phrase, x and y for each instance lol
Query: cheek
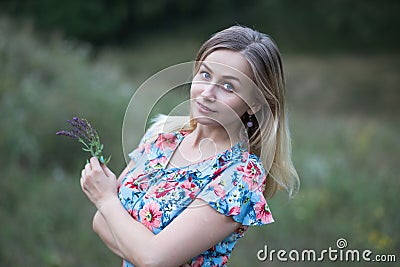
(195, 90)
(237, 104)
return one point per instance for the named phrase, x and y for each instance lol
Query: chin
(206, 121)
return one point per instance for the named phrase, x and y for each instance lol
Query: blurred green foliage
(304, 25)
(41, 84)
(344, 119)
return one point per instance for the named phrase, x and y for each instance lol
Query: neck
(221, 137)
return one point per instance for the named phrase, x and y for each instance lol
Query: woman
(190, 192)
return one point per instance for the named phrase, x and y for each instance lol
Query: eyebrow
(224, 76)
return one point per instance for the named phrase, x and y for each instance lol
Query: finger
(82, 183)
(96, 166)
(106, 170)
(95, 162)
(83, 173)
(100, 167)
(88, 168)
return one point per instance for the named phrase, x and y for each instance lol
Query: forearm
(131, 239)
(103, 231)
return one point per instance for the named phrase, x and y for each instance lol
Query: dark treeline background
(304, 25)
(60, 59)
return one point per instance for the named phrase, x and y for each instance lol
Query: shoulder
(251, 171)
(242, 158)
(237, 189)
(165, 124)
(238, 157)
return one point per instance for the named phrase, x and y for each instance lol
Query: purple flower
(84, 133)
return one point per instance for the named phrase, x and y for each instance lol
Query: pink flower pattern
(165, 141)
(161, 190)
(151, 215)
(231, 183)
(262, 212)
(251, 174)
(190, 188)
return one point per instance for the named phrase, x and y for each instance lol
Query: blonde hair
(264, 58)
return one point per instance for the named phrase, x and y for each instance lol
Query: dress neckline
(179, 136)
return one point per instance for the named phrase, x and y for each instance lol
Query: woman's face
(221, 90)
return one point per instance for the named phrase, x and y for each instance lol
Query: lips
(205, 108)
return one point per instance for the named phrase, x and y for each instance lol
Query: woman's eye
(205, 75)
(228, 87)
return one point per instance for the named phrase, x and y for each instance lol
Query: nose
(208, 92)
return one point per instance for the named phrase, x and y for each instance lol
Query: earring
(250, 122)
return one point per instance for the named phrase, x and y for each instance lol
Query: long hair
(269, 137)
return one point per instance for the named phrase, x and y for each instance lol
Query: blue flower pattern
(155, 195)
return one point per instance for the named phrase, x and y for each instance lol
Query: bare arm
(195, 230)
(101, 228)
(99, 224)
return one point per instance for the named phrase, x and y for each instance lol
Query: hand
(98, 182)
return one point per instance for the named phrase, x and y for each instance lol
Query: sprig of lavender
(84, 133)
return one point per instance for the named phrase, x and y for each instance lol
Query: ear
(254, 108)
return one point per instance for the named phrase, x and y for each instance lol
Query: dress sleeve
(149, 136)
(237, 191)
(143, 147)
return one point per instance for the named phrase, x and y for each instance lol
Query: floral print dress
(231, 182)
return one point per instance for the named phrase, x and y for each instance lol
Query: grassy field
(344, 120)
